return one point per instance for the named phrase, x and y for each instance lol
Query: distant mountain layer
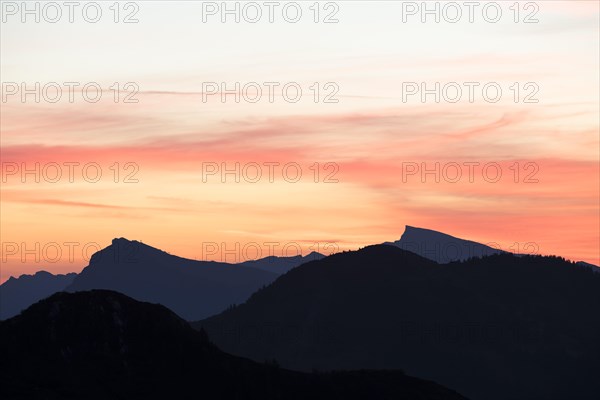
(281, 265)
(493, 328)
(193, 289)
(16, 294)
(103, 345)
(440, 247)
(593, 267)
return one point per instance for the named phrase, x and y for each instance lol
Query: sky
(329, 133)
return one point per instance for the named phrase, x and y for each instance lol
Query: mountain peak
(122, 240)
(441, 247)
(125, 251)
(193, 289)
(415, 230)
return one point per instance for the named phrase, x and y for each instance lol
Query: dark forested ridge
(104, 345)
(498, 327)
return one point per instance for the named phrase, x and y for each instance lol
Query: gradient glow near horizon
(375, 149)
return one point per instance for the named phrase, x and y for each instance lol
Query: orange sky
(370, 146)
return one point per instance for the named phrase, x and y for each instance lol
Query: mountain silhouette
(592, 267)
(493, 328)
(440, 247)
(192, 289)
(104, 345)
(281, 265)
(16, 294)
(108, 272)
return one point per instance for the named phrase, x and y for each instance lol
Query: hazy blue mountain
(16, 294)
(440, 247)
(281, 265)
(593, 267)
(103, 345)
(193, 289)
(493, 328)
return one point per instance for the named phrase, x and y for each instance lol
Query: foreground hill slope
(104, 345)
(500, 327)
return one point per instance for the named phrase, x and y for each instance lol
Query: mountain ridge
(190, 288)
(441, 247)
(16, 294)
(491, 322)
(431, 244)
